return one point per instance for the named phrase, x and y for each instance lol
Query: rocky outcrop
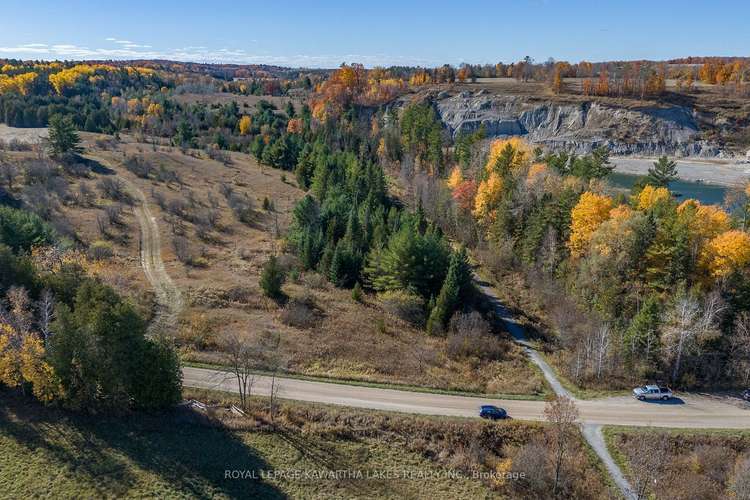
(579, 127)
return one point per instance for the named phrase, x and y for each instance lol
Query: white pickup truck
(652, 392)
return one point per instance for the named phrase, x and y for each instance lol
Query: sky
(319, 33)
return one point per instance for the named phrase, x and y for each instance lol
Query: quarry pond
(705, 193)
(704, 179)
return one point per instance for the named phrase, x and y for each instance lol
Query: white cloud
(126, 49)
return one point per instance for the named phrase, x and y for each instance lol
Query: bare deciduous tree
(688, 324)
(739, 349)
(647, 459)
(182, 249)
(241, 356)
(46, 311)
(562, 415)
(8, 173)
(273, 360)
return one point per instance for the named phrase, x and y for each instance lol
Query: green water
(705, 193)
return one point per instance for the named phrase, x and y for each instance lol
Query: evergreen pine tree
(272, 278)
(63, 138)
(336, 269)
(325, 261)
(662, 173)
(641, 339)
(455, 288)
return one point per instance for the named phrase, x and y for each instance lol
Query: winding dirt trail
(592, 431)
(168, 296)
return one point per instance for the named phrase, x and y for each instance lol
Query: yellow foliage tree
(10, 365)
(245, 124)
(488, 196)
(514, 150)
(651, 196)
(35, 370)
(155, 109)
(455, 178)
(612, 233)
(726, 253)
(704, 221)
(19, 83)
(588, 214)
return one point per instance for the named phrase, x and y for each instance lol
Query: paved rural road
(693, 412)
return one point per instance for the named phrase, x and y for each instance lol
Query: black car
(492, 412)
(746, 395)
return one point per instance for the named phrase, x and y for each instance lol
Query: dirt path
(168, 296)
(591, 432)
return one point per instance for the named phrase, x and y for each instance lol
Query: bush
(315, 281)
(407, 306)
(22, 230)
(357, 293)
(242, 207)
(138, 167)
(299, 314)
(470, 335)
(100, 250)
(114, 189)
(272, 278)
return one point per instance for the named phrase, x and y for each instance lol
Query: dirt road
(688, 411)
(168, 296)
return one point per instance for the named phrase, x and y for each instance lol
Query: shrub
(138, 167)
(100, 250)
(114, 189)
(470, 335)
(272, 278)
(357, 293)
(407, 306)
(315, 281)
(242, 207)
(299, 314)
(22, 230)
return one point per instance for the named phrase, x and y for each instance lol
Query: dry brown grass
(697, 465)
(340, 338)
(470, 446)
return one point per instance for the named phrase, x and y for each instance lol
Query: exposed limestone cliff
(581, 126)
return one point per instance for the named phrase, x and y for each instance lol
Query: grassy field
(49, 452)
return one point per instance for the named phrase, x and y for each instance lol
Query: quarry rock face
(578, 127)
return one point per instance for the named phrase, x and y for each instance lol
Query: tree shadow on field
(327, 457)
(95, 166)
(105, 453)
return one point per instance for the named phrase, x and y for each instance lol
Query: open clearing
(22, 135)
